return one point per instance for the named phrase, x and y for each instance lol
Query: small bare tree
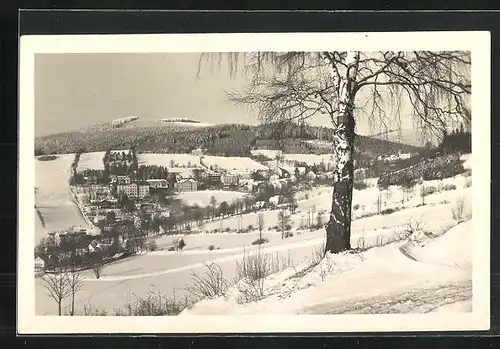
(97, 264)
(75, 284)
(57, 287)
(284, 221)
(260, 224)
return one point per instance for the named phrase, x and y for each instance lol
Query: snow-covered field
(53, 198)
(269, 153)
(232, 163)
(202, 197)
(310, 159)
(179, 160)
(91, 161)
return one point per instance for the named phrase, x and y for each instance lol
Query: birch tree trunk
(338, 230)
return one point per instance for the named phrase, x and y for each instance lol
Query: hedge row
(430, 169)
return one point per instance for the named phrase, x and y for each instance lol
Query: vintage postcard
(250, 183)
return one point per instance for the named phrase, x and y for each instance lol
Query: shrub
(447, 167)
(387, 211)
(250, 227)
(228, 230)
(211, 247)
(210, 285)
(89, 310)
(151, 245)
(253, 266)
(447, 187)
(360, 185)
(154, 303)
(172, 248)
(260, 241)
(356, 206)
(379, 242)
(468, 183)
(288, 234)
(428, 190)
(47, 157)
(361, 243)
(458, 210)
(430, 169)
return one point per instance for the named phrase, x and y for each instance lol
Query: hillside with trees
(221, 140)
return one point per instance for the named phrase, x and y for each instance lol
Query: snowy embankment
(432, 276)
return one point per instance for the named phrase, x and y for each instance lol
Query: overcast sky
(77, 90)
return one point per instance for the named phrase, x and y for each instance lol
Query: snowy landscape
(431, 255)
(178, 216)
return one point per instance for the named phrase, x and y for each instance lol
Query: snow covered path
(422, 300)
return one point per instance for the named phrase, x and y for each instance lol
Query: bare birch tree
(294, 86)
(57, 287)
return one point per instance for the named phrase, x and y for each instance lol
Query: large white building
(157, 183)
(133, 190)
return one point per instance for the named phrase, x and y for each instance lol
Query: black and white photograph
(254, 182)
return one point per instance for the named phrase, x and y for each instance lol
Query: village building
(39, 264)
(212, 176)
(275, 200)
(230, 179)
(405, 156)
(94, 246)
(311, 175)
(300, 170)
(186, 184)
(133, 191)
(107, 204)
(259, 204)
(157, 183)
(272, 165)
(120, 180)
(197, 152)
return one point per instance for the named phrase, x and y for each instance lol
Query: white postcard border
(477, 42)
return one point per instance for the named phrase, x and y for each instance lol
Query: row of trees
(459, 140)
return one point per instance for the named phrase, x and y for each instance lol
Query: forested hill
(224, 140)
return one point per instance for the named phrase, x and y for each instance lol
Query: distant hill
(135, 122)
(224, 140)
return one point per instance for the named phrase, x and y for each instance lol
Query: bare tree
(57, 287)
(294, 86)
(97, 264)
(284, 222)
(75, 284)
(260, 224)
